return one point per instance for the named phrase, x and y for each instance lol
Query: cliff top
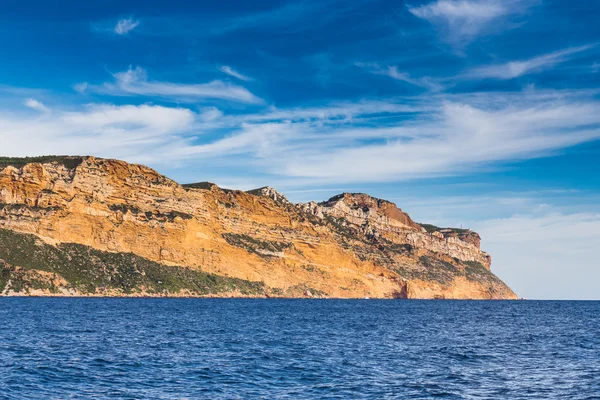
(366, 202)
(200, 185)
(353, 200)
(268, 191)
(353, 245)
(432, 228)
(69, 162)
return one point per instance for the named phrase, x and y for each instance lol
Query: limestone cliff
(91, 226)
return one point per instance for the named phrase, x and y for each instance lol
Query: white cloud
(542, 252)
(461, 21)
(426, 82)
(262, 140)
(352, 142)
(335, 113)
(230, 71)
(210, 114)
(394, 73)
(36, 105)
(409, 139)
(546, 255)
(543, 243)
(134, 82)
(126, 25)
(129, 118)
(137, 133)
(455, 138)
(534, 251)
(515, 69)
(81, 87)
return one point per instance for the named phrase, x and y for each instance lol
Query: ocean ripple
(70, 348)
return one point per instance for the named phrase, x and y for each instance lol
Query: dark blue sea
(65, 348)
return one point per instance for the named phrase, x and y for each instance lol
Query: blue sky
(477, 113)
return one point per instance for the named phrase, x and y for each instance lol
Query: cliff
(91, 226)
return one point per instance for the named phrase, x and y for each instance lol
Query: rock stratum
(86, 226)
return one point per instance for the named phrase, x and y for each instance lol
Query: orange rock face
(351, 246)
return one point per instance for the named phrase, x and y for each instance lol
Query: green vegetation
(256, 246)
(276, 292)
(124, 208)
(310, 268)
(302, 289)
(23, 281)
(444, 272)
(170, 216)
(387, 246)
(475, 271)
(23, 207)
(432, 228)
(432, 270)
(306, 216)
(226, 204)
(280, 200)
(313, 269)
(94, 271)
(18, 162)
(5, 272)
(336, 198)
(367, 247)
(380, 251)
(199, 185)
(340, 225)
(206, 186)
(256, 192)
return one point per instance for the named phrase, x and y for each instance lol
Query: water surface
(232, 348)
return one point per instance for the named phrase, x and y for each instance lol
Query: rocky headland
(86, 226)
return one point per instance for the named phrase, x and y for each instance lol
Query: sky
(474, 113)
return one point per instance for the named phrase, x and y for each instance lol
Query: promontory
(86, 226)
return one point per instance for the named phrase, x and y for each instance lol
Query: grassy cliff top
(432, 228)
(18, 162)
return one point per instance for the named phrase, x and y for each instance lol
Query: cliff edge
(88, 226)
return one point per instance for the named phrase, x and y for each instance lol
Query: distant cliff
(98, 227)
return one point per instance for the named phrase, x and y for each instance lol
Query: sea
(123, 348)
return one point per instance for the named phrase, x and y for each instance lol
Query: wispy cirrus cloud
(135, 82)
(36, 105)
(353, 142)
(231, 72)
(81, 87)
(502, 71)
(125, 25)
(393, 72)
(99, 129)
(338, 112)
(452, 140)
(425, 82)
(461, 21)
(514, 69)
(444, 136)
